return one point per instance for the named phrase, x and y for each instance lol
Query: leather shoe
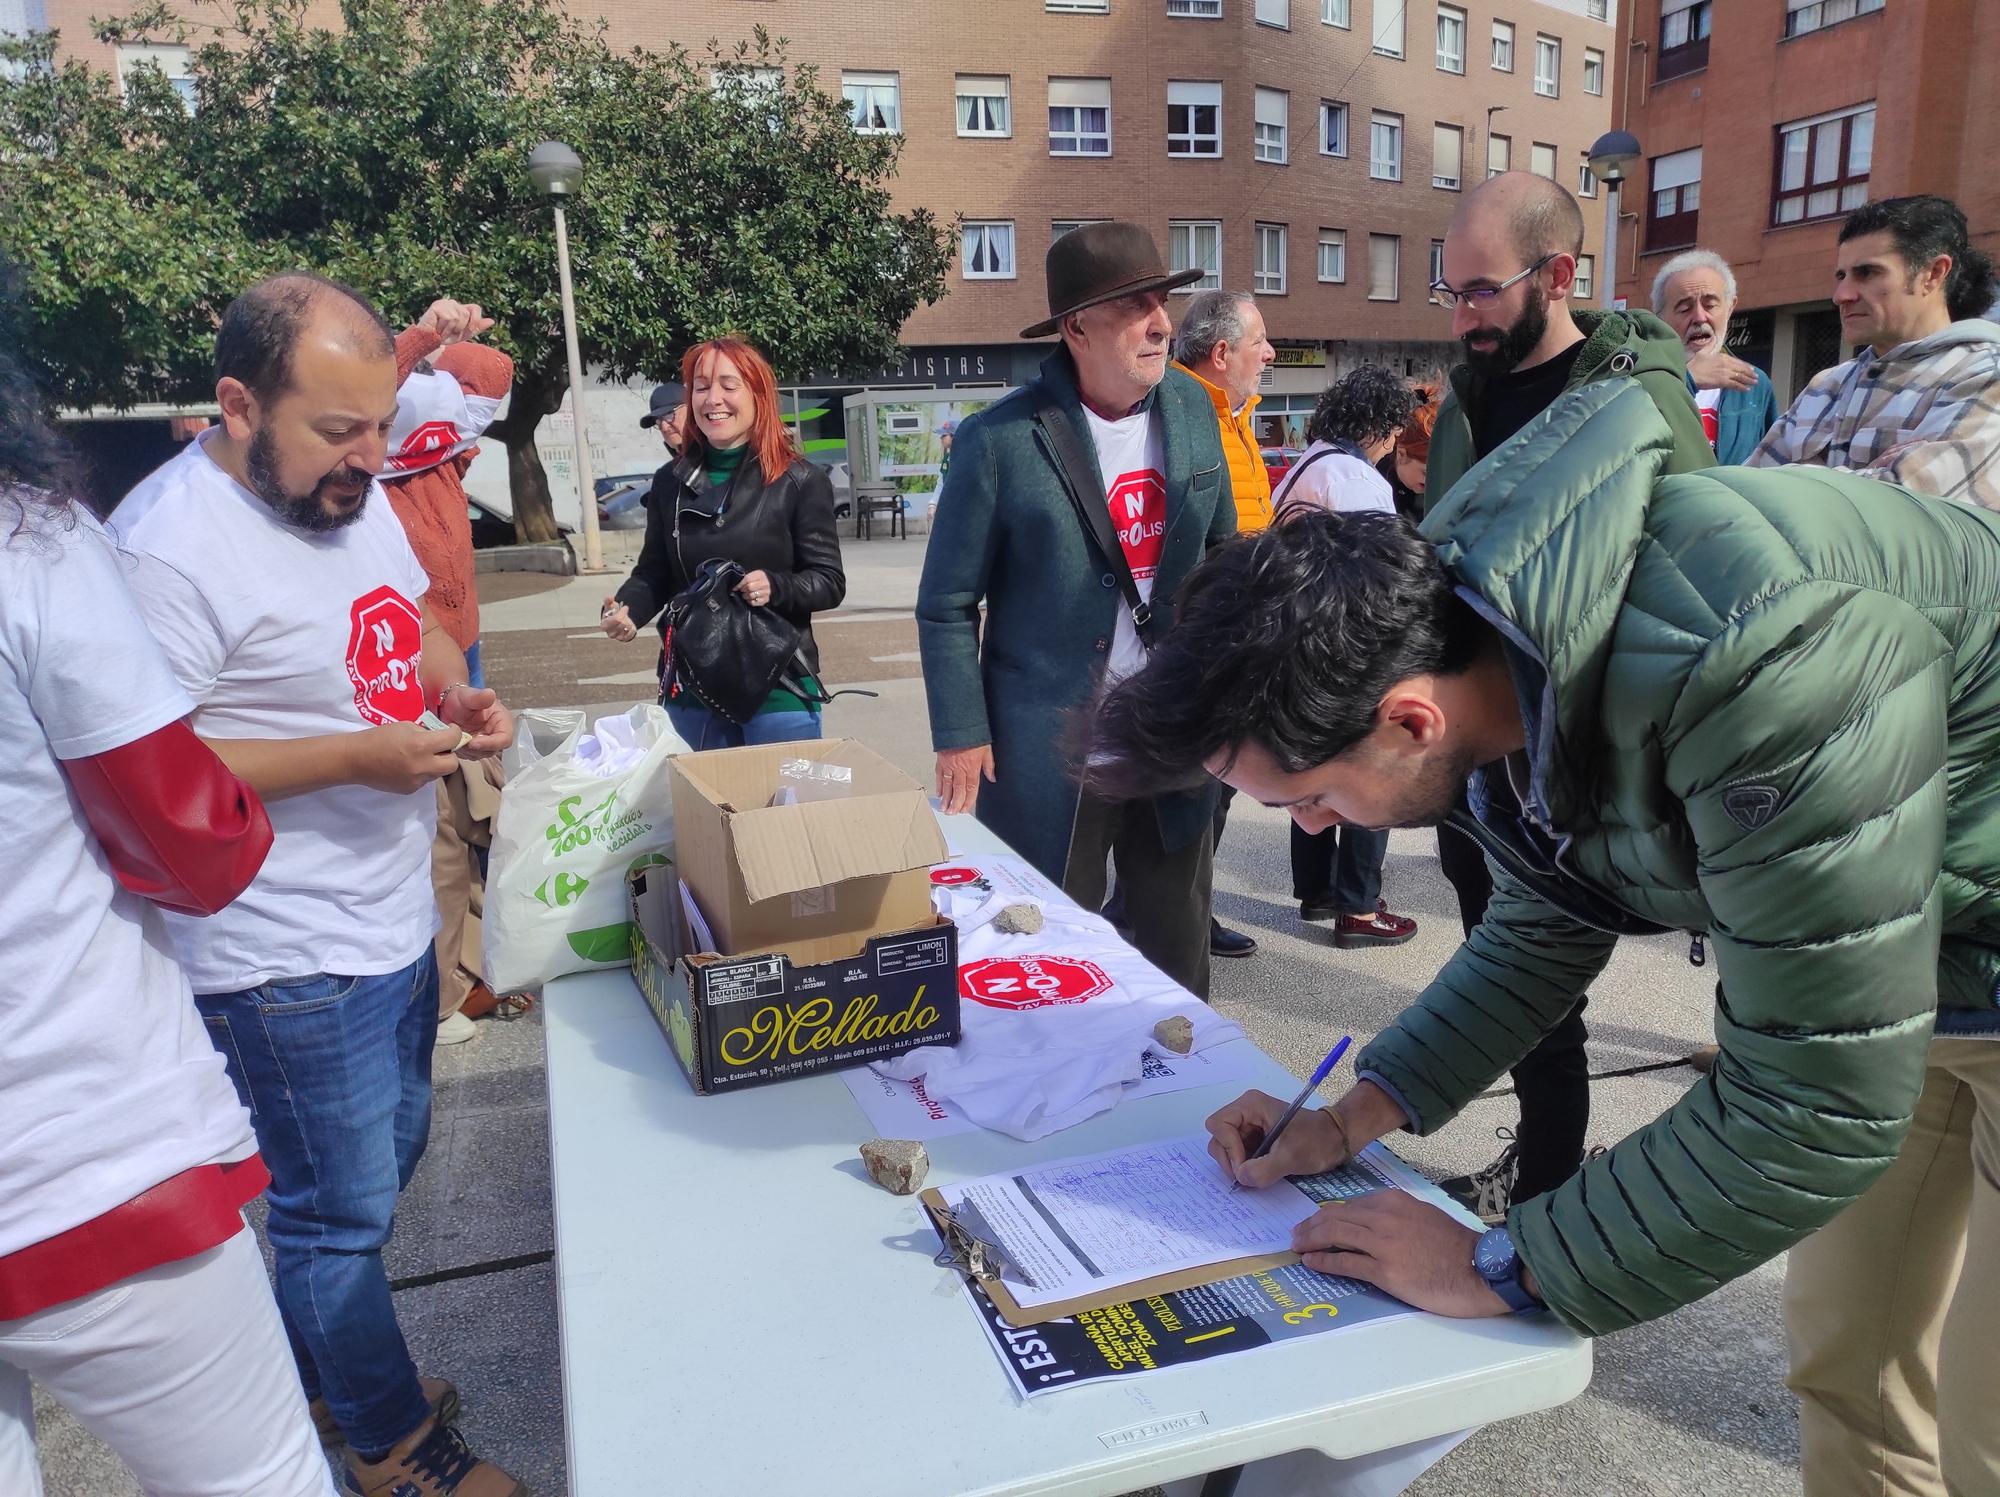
(1222, 941)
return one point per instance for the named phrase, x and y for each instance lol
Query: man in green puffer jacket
(1762, 706)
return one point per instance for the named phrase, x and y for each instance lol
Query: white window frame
(1585, 289)
(1550, 47)
(1195, 94)
(986, 227)
(1593, 63)
(1454, 179)
(1198, 10)
(1395, 243)
(1380, 120)
(1273, 13)
(1078, 7)
(1080, 94)
(1337, 13)
(1061, 226)
(1387, 11)
(1449, 61)
(867, 86)
(1843, 181)
(1803, 17)
(1503, 36)
(174, 60)
(1586, 179)
(1335, 108)
(1535, 149)
(1437, 262)
(1507, 163)
(979, 86)
(1271, 134)
(1187, 232)
(1336, 241)
(1264, 238)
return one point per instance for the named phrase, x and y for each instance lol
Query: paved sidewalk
(1689, 1406)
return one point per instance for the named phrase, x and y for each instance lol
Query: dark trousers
(1166, 894)
(1552, 1082)
(1341, 865)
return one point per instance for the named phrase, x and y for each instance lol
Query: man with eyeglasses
(1509, 269)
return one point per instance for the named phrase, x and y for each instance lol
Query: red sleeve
(178, 827)
(412, 344)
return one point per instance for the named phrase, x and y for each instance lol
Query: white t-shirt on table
(283, 633)
(108, 1082)
(1339, 480)
(1132, 461)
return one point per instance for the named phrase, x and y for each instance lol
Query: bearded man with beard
(1509, 269)
(280, 584)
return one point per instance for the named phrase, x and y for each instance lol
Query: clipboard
(968, 1248)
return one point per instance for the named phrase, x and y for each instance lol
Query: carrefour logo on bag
(602, 827)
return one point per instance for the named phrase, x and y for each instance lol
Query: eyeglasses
(1482, 296)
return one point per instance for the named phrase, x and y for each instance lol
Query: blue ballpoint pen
(1325, 1070)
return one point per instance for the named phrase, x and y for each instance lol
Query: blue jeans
(336, 1072)
(1342, 864)
(707, 730)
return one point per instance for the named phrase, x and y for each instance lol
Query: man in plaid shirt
(1920, 404)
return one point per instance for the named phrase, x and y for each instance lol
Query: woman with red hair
(739, 492)
(1403, 464)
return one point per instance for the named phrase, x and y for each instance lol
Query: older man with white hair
(1695, 294)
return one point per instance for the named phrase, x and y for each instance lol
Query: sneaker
(456, 1029)
(1222, 941)
(1378, 929)
(439, 1394)
(1489, 1192)
(433, 1462)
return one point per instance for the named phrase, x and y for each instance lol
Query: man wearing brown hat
(1072, 510)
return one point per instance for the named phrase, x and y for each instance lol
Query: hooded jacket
(1926, 414)
(1633, 344)
(1763, 707)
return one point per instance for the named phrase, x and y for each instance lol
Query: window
(1548, 65)
(1385, 147)
(1210, 9)
(1384, 257)
(1273, 111)
(1451, 40)
(1586, 179)
(1586, 278)
(1333, 254)
(1437, 262)
(1275, 13)
(1079, 116)
(1542, 160)
(1503, 46)
(1090, 6)
(873, 100)
(1332, 128)
(1802, 16)
(1447, 156)
(1822, 165)
(1593, 71)
(1194, 119)
(1389, 27)
(1061, 226)
(1684, 28)
(986, 250)
(1336, 13)
(1196, 242)
(172, 62)
(985, 106)
(1269, 277)
(1597, 10)
(1672, 211)
(1499, 152)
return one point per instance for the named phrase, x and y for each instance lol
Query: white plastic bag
(565, 839)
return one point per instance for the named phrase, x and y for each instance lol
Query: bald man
(274, 573)
(1509, 269)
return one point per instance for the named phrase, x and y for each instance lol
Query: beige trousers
(467, 801)
(1892, 1310)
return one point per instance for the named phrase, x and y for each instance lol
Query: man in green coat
(1510, 260)
(1760, 706)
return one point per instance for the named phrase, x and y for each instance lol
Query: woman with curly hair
(1337, 873)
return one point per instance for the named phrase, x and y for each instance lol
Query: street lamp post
(557, 172)
(1613, 153)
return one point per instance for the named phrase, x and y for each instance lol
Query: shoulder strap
(1285, 484)
(1085, 486)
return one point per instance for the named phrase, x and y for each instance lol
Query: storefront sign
(1300, 356)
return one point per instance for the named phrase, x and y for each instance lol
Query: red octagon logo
(425, 446)
(1139, 515)
(1031, 981)
(951, 876)
(385, 645)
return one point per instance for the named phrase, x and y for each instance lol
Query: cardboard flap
(785, 849)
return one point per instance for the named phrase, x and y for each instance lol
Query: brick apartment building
(1309, 150)
(1763, 122)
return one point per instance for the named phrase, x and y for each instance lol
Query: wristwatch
(1500, 1266)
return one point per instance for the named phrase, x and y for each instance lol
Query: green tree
(726, 192)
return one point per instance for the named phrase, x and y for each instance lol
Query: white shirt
(1132, 461)
(282, 633)
(1339, 480)
(108, 1082)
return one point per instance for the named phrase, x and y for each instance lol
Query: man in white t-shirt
(276, 577)
(1072, 510)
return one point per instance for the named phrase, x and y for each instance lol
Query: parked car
(492, 527)
(843, 480)
(620, 501)
(1278, 462)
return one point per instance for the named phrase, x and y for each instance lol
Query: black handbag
(727, 654)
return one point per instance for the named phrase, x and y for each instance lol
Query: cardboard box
(814, 879)
(737, 1021)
